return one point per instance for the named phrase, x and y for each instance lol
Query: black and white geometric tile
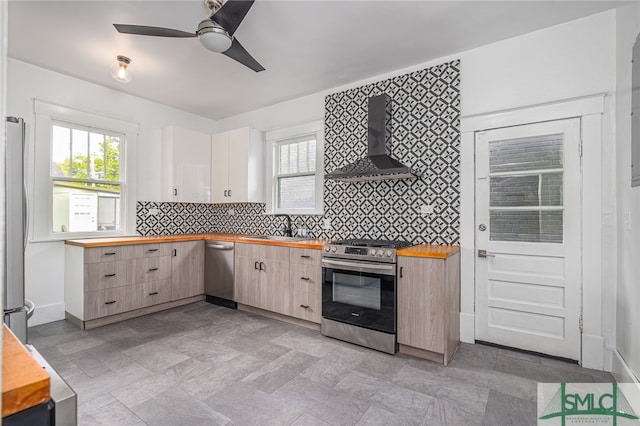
(425, 135)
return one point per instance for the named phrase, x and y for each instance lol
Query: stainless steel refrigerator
(16, 307)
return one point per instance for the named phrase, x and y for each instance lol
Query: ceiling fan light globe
(213, 36)
(119, 71)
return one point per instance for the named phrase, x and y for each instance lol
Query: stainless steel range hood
(377, 165)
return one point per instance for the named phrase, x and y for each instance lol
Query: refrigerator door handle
(27, 213)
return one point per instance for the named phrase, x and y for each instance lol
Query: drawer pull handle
(152, 250)
(110, 303)
(255, 265)
(153, 269)
(304, 306)
(153, 294)
(304, 278)
(110, 253)
(402, 272)
(109, 275)
(263, 267)
(305, 256)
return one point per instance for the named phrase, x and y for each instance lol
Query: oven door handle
(360, 267)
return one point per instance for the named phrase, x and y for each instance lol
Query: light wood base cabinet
(279, 279)
(106, 283)
(429, 307)
(305, 285)
(262, 276)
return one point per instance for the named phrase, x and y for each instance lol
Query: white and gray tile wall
(425, 135)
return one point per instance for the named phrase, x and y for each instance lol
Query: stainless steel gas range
(359, 292)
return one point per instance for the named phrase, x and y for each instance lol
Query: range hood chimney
(377, 165)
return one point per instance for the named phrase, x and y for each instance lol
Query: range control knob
(372, 252)
(388, 253)
(381, 253)
(326, 248)
(333, 249)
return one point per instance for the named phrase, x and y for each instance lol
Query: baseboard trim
(47, 313)
(620, 370)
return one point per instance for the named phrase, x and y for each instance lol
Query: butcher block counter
(315, 244)
(25, 384)
(429, 251)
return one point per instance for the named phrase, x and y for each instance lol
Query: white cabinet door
(186, 165)
(220, 167)
(237, 166)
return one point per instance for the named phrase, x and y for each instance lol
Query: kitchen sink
(276, 238)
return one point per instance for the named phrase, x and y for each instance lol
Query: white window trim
(42, 197)
(274, 136)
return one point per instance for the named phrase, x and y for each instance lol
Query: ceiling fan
(215, 33)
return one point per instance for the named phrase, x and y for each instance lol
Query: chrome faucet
(288, 231)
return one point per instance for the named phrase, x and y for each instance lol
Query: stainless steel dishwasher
(218, 273)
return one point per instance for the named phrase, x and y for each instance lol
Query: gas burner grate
(396, 244)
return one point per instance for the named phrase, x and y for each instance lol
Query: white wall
(627, 340)
(567, 61)
(45, 260)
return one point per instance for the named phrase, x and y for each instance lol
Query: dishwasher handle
(219, 247)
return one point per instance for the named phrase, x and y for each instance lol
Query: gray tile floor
(201, 364)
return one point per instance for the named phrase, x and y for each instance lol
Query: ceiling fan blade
(238, 53)
(232, 13)
(152, 31)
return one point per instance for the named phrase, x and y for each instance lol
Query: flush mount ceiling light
(119, 69)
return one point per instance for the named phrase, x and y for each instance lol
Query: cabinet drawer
(100, 276)
(305, 292)
(109, 254)
(262, 252)
(151, 269)
(156, 250)
(151, 293)
(108, 302)
(305, 256)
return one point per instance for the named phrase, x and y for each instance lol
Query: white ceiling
(306, 46)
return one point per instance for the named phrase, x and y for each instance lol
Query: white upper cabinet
(186, 168)
(237, 166)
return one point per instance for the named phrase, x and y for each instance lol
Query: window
(85, 178)
(296, 172)
(82, 174)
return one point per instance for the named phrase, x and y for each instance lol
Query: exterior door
(528, 250)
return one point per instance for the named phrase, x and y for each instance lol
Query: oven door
(360, 293)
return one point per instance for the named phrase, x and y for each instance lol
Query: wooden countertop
(25, 384)
(315, 244)
(425, 250)
(420, 250)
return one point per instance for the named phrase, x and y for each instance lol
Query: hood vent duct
(377, 165)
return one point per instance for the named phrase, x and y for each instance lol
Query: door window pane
(526, 226)
(530, 153)
(526, 191)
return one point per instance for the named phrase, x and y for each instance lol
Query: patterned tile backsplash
(425, 135)
(243, 218)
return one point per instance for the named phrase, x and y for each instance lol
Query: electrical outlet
(152, 212)
(327, 223)
(426, 209)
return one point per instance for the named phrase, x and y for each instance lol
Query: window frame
(277, 138)
(41, 215)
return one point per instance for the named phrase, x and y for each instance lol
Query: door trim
(590, 109)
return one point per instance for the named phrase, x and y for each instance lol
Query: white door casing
(528, 289)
